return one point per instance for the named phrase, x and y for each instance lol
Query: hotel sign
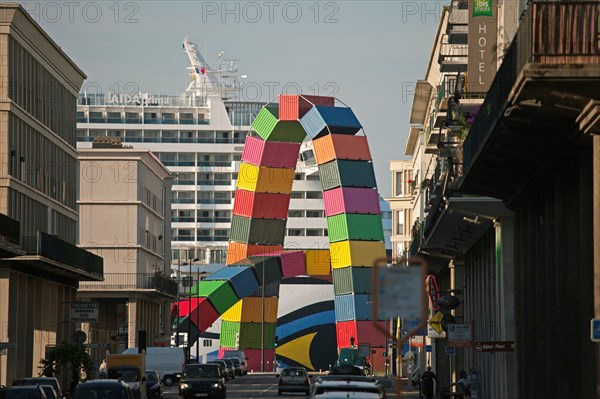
(482, 42)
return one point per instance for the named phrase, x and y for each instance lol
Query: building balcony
(458, 22)
(133, 282)
(548, 77)
(452, 58)
(10, 232)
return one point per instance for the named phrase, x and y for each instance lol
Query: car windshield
(151, 376)
(99, 393)
(293, 373)
(128, 374)
(200, 371)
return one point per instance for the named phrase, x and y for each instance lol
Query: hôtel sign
(483, 59)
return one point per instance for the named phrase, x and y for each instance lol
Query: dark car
(229, 373)
(239, 370)
(50, 391)
(154, 389)
(293, 379)
(202, 380)
(100, 389)
(23, 392)
(40, 381)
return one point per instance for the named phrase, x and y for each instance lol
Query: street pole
(178, 296)
(262, 325)
(197, 318)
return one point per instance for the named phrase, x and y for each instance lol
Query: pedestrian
(427, 383)
(102, 369)
(463, 385)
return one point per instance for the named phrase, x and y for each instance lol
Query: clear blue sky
(369, 52)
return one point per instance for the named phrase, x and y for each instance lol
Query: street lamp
(262, 320)
(190, 307)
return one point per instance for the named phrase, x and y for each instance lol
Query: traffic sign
(436, 322)
(494, 346)
(450, 351)
(595, 330)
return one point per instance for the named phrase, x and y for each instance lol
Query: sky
(368, 54)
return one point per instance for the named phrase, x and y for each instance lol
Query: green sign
(482, 8)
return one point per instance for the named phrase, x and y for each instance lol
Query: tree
(64, 356)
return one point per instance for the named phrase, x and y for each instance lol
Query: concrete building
(515, 203)
(125, 210)
(40, 266)
(401, 204)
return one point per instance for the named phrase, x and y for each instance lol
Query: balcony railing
(61, 251)
(10, 230)
(132, 281)
(545, 35)
(214, 201)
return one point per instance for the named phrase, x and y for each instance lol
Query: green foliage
(64, 356)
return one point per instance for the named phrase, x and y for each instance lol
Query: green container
(270, 264)
(267, 126)
(352, 280)
(229, 331)
(218, 292)
(344, 173)
(250, 334)
(352, 226)
(257, 231)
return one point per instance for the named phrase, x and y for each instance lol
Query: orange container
(341, 146)
(293, 106)
(238, 251)
(318, 262)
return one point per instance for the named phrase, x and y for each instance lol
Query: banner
(482, 8)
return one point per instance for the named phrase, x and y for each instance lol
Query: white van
(167, 362)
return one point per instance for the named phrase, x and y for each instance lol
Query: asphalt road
(265, 386)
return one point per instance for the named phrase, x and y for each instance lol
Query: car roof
(98, 383)
(348, 394)
(345, 377)
(348, 383)
(22, 387)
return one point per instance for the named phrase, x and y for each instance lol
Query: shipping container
(356, 253)
(378, 363)
(318, 262)
(292, 107)
(261, 205)
(352, 280)
(222, 351)
(353, 226)
(250, 336)
(341, 146)
(292, 264)
(184, 306)
(264, 179)
(204, 314)
(270, 153)
(229, 334)
(364, 332)
(255, 231)
(351, 200)
(321, 120)
(250, 310)
(271, 290)
(242, 279)
(353, 307)
(268, 267)
(267, 126)
(219, 293)
(254, 359)
(237, 251)
(347, 174)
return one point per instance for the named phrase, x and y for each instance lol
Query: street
(265, 386)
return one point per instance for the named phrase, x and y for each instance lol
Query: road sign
(595, 330)
(436, 322)
(84, 312)
(399, 292)
(7, 345)
(450, 351)
(495, 346)
(459, 335)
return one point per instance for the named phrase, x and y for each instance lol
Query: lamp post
(178, 297)
(189, 332)
(262, 320)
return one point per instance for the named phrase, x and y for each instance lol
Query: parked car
(50, 391)
(293, 379)
(231, 366)
(96, 389)
(241, 356)
(23, 392)
(40, 381)
(224, 368)
(239, 368)
(202, 380)
(154, 389)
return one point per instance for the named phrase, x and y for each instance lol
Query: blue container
(322, 120)
(242, 279)
(353, 307)
(271, 264)
(271, 289)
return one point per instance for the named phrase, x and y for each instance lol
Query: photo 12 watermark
(92, 12)
(253, 12)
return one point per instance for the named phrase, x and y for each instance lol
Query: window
(313, 232)
(296, 194)
(400, 222)
(295, 214)
(313, 177)
(398, 184)
(314, 214)
(294, 232)
(314, 195)
(299, 176)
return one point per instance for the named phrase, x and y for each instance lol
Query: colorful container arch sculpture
(256, 260)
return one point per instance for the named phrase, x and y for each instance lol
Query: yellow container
(356, 253)
(318, 262)
(264, 179)
(249, 310)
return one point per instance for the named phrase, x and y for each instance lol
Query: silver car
(293, 379)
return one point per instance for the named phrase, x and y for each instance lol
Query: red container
(351, 200)
(341, 146)
(274, 154)
(292, 263)
(222, 351)
(238, 251)
(261, 205)
(293, 106)
(364, 332)
(203, 314)
(377, 360)
(254, 356)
